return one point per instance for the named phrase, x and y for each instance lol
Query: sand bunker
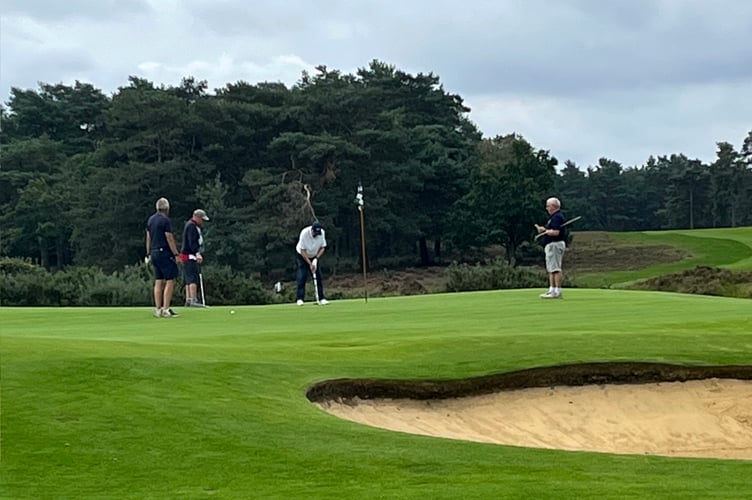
(699, 418)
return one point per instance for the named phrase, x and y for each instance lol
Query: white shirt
(309, 243)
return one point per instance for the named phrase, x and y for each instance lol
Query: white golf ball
(232, 311)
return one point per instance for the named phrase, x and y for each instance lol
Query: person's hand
(147, 259)
(314, 265)
(199, 258)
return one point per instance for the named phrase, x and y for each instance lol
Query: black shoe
(172, 313)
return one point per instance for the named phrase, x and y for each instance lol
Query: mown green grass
(112, 403)
(727, 248)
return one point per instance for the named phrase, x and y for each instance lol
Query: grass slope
(727, 248)
(114, 403)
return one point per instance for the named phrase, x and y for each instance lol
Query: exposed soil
(626, 407)
(567, 375)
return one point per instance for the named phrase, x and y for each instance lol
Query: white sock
(551, 289)
(557, 290)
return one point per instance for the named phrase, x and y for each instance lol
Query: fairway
(112, 402)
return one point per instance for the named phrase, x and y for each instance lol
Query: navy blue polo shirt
(158, 226)
(556, 222)
(191, 239)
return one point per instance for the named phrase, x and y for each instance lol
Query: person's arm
(192, 237)
(548, 232)
(171, 242)
(304, 254)
(148, 243)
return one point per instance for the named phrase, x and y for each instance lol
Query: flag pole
(360, 203)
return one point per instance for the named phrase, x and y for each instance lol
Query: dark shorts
(165, 267)
(190, 272)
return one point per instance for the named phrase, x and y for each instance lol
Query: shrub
(226, 286)
(25, 284)
(493, 276)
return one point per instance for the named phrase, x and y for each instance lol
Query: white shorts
(554, 256)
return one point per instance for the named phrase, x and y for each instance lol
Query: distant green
(728, 248)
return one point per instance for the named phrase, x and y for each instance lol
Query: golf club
(570, 221)
(315, 283)
(201, 282)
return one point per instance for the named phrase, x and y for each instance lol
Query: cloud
(624, 126)
(285, 68)
(583, 78)
(54, 11)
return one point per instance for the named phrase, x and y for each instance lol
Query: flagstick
(359, 201)
(363, 248)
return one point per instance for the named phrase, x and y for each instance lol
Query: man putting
(554, 246)
(311, 246)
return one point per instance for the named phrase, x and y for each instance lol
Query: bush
(225, 286)
(702, 280)
(26, 284)
(493, 276)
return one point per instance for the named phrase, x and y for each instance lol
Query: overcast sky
(585, 79)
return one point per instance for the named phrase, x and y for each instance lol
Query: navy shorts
(190, 272)
(165, 267)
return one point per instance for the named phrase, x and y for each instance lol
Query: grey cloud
(51, 67)
(53, 10)
(569, 48)
(571, 75)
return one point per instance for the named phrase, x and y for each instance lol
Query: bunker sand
(710, 418)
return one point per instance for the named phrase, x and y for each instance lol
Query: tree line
(80, 172)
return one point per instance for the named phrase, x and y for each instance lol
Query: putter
(570, 221)
(315, 287)
(201, 282)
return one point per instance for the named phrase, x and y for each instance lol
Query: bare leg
(557, 278)
(190, 292)
(552, 280)
(167, 295)
(158, 293)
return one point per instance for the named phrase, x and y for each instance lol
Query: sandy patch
(702, 418)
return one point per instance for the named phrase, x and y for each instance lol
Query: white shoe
(157, 313)
(548, 295)
(323, 302)
(299, 302)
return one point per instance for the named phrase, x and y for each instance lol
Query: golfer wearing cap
(191, 255)
(311, 246)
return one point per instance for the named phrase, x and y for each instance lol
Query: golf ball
(232, 311)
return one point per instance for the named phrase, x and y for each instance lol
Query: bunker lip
(615, 407)
(597, 373)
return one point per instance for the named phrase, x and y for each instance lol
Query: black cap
(316, 228)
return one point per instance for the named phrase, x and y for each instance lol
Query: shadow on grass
(564, 375)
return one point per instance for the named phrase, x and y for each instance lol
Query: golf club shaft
(315, 286)
(570, 221)
(201, 282)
